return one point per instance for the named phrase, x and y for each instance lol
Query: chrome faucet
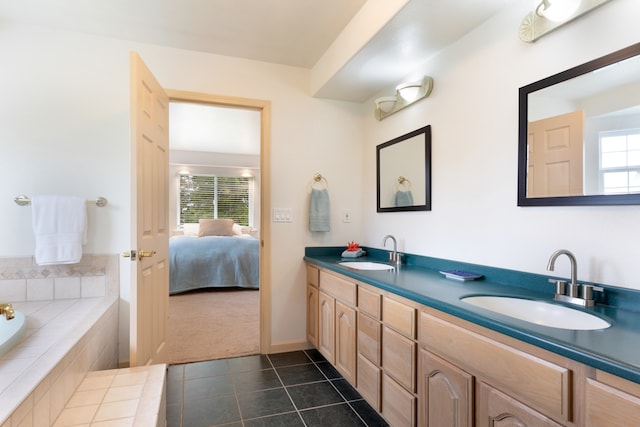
(571, 295)
(394, 256)
(7, 310)
(573, 286)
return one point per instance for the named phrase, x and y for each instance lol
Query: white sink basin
(539, 312)
(366, 265)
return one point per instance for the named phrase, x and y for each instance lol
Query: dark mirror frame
(426, 131)
(588, 200)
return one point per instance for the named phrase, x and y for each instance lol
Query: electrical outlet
(346, 215)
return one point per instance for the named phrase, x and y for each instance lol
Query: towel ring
(403, 181)
(318, 178)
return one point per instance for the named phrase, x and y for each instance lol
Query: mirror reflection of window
(620, 161)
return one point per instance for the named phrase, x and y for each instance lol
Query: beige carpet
(213, 324)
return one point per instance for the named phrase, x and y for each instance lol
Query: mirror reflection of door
(555, 156)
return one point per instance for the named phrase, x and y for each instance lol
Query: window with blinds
(209, 196)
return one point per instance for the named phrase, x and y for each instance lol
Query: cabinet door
(345, 338)
(326, 327)
(496, 409)
(608, 406)
(445, 393)
(312, 315)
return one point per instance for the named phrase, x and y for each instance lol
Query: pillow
(216, 227)
(237, 229)
(191, 229)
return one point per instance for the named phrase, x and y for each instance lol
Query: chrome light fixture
(406, 94)
(551, 14)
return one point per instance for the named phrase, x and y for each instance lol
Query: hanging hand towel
(404, 198)
(319, 210)
(60, 227)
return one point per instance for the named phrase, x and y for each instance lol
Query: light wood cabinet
(326, 327)
(312, 315)
(516, 388)
(313, 276)
(498, 409)
(446, 393)
(398, 405)
(420, 366)
(369, 372)
(345, 354)
(399, 358)
(611, 401)
(337, 323)
(369, 381)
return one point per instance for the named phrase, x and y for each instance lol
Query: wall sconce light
(406, 94)
(551, 14)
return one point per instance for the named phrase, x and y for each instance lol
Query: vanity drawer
(399, 358)
(548, 386)
(398, 405)
(341, 289)
(399, 316)
(369, 338)
(369, 302)
(313, 275)
(369, 377)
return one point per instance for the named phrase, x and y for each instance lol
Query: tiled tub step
(118, 397)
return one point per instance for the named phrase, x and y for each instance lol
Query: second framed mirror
(404, 172)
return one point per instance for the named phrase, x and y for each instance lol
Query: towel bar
(23, 200)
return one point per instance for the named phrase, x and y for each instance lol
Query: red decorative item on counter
(353, 247)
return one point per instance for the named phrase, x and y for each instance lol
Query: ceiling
(289, 32)
(380, 41)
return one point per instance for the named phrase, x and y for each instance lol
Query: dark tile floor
(298, 388)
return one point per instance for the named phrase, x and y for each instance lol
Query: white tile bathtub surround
(39, 290)
(21, 279)
(65, 340)
(123, 397)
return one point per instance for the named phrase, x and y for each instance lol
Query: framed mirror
(579, 134)
(404, 172)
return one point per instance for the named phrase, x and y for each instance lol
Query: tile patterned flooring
(298, 388)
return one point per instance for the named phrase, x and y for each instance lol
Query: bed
(213, 262)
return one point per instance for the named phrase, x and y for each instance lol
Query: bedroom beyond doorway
(213, 324)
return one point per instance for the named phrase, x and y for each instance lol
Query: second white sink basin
(366, 265)
(539, 312)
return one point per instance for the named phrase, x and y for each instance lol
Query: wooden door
(326, 326)
(555, 160)
(446, 393)
(345, 336)
(150, 239)
(312, 315)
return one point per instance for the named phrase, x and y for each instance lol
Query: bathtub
(11, 331)
(64, 339)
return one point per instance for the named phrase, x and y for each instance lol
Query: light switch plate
(282, 215)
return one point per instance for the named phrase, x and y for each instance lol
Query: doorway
(243, 163)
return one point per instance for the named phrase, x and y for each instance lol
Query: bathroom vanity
(421, 356)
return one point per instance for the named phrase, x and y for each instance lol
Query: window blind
(210, 196)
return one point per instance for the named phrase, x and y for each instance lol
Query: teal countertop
(615, 350)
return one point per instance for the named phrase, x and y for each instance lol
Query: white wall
(473, 111)
(64, 129)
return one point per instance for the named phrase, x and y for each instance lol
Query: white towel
(319, 210)
(60, 227)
